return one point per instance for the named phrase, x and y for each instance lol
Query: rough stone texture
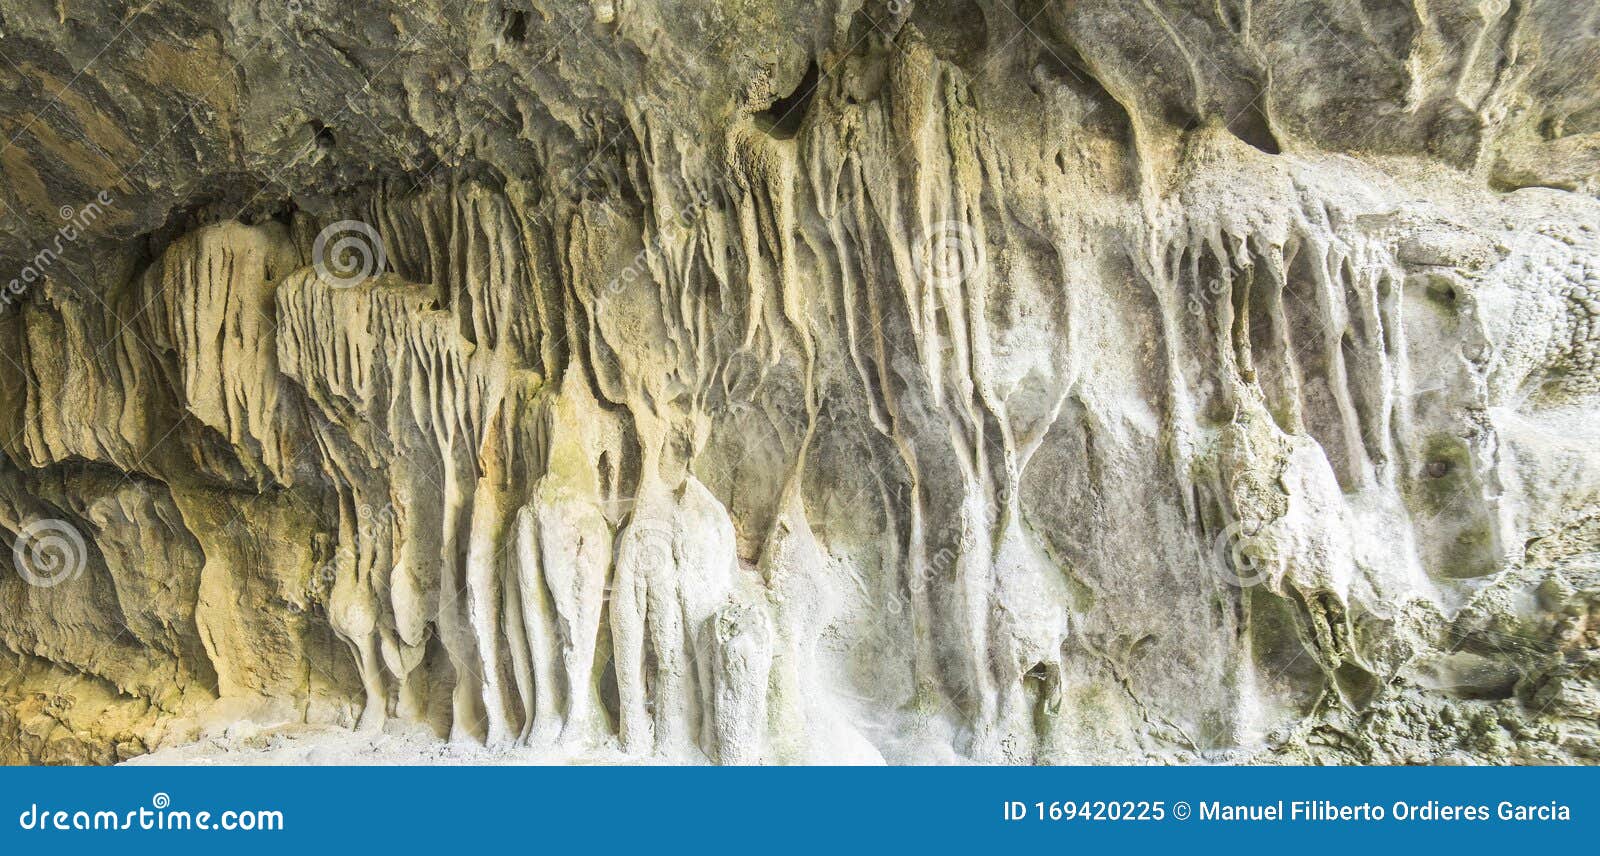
(795, 381)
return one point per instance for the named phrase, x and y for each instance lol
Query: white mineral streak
(924, 434)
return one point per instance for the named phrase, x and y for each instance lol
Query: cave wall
(803, 382)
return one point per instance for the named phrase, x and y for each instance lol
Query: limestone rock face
(921, 381)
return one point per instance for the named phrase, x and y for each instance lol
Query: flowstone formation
(920, 381)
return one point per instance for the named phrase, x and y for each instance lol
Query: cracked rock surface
(799, 381)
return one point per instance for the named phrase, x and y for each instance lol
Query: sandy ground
(322, 745)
